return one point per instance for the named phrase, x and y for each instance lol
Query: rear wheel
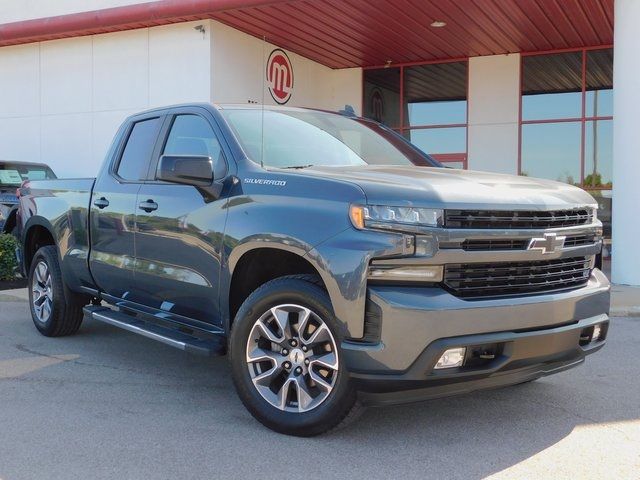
(286, 359)
(55, 310)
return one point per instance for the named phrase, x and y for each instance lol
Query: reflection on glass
(552, 150)
(599, 98)
(552, 106)
(435, 94)
(599, 103)
(552, 86)
(598, 153)
(437, 113)
(382, 95)
(439, 140)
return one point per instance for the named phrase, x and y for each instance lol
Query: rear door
(179, 232)
(114, 207)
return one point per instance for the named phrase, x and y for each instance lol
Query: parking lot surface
(109, 404)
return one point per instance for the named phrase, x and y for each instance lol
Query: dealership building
(514, 86)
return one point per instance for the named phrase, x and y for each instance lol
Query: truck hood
(451, 188)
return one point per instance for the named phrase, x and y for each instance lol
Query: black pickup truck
(12, 174)
(335, 263)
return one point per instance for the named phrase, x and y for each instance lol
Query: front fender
(343, 262)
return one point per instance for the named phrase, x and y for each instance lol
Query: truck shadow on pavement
(129, 407)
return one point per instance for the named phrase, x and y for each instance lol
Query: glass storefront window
(599, 83)
(382, 96)
(552, 151)
(433, 97)
(575, 86)
(552, 86)
(439, 140)
(435, 94)
(598, 153)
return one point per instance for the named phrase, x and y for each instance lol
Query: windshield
(305, 138)
(15, 174)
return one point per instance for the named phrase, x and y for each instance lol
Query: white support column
(626, 145)
(494, 102)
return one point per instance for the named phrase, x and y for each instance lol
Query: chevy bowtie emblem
(550, 243)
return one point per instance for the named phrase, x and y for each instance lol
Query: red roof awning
(352, 33)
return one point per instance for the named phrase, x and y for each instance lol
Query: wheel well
(36, 238)
(259, 266)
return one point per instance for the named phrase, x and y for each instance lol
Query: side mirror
(196, 170)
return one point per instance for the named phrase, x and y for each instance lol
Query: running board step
(202, 346)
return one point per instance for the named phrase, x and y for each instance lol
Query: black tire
(66, 312)
(337, 406)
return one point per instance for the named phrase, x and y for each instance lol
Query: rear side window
(136, 156)
(192, 135)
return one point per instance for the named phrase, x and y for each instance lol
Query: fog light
(597, 331)
(451, 358)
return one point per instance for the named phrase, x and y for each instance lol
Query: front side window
(134, 163)
(294, 138)
(192, 135)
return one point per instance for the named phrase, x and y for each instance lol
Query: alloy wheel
(292, 358)
(42, 290)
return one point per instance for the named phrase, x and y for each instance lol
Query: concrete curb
(625, 312)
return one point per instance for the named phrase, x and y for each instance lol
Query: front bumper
(535, 336)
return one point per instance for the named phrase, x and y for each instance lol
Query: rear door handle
(101, 203)
(148, 206)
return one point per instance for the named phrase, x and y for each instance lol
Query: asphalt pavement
(107, 404)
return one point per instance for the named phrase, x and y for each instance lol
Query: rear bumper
(532, 336)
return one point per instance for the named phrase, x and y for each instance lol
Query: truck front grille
(508, 219)
(495, 244)
(484, 280)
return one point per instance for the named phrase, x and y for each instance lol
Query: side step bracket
(212, 346)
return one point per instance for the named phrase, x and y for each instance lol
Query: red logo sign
(280, 76)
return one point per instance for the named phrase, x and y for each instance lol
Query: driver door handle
(148, 206)
(101, 203)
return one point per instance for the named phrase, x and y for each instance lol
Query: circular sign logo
(280, 76)
(377, 105)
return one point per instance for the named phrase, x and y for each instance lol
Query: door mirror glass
(196, 170)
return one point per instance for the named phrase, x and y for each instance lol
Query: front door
(114, 208)
(179, 235)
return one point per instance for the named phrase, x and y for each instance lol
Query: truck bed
(65, 205)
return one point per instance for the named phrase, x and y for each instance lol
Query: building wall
(494, 106)
(238, 74)
(61, 101)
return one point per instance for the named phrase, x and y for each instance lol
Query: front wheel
(286, 359)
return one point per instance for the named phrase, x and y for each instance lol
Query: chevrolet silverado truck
(12, 174)
(336, 264)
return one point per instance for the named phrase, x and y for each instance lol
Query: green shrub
(8, 261)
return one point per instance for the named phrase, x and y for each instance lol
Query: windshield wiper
(299, 166)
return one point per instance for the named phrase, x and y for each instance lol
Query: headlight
(404, 219)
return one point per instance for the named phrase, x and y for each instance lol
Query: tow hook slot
(480, 356)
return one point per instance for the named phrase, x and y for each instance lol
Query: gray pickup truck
(335, 263)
